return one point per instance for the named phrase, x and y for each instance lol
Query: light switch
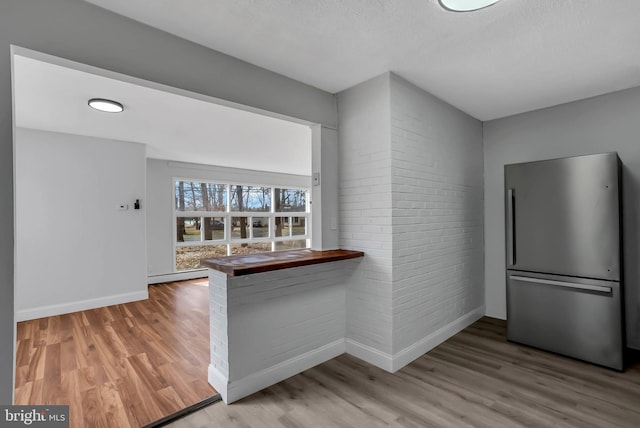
(123, 207)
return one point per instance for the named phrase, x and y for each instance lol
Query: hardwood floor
(123, 365)
(475, 379)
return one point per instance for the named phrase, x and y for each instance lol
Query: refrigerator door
(563, 216)
(580, 318)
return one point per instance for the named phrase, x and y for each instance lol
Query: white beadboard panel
(437, 212)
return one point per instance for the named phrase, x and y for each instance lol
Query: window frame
(227, 215)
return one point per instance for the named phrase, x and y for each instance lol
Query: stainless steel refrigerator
(564, 257)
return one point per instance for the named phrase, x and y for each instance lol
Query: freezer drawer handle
(600, 288)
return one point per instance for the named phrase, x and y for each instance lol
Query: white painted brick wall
(437, 211)
(365, 209)
(261, 320)
(411, 195)
(411, 183)
(218, 326)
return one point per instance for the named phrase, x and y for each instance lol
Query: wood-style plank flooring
(123, 365)
(474, 379)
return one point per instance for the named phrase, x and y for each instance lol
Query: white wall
(365, 212)
(325, 195)
(74, 249)
(160, 200)
(411, 199)
(437, 197)
(82, 32)
(602, 124)
(269, 326)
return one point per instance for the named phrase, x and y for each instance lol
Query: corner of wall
(427, 343)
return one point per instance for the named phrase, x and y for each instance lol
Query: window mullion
(194, 198)
(272, 218)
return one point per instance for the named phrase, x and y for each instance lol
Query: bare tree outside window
(290, 200)
(211, 217)
(180, 205)
(250, 198)
(240, 195)
(208, 225)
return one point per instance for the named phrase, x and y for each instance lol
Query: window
(218, 219)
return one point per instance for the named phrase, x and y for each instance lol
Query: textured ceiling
(512, 57)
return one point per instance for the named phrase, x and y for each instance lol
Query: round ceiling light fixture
(108, 106)
(465, 5)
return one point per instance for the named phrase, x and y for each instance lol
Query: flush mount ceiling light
(105, 105)
(466, 5)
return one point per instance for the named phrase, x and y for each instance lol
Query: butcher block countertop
(246, 264)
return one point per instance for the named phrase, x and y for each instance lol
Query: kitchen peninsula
(273, 315)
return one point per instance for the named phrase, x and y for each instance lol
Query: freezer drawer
(577, 317)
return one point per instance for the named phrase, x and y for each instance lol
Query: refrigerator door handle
(599, 288)
(511, 256)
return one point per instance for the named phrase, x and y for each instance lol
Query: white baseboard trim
(81, 305)
(393, 363)
(177, 276)
(369, 354)
(218, 381)
(424, 345)
(237, 389)
(231, 391)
